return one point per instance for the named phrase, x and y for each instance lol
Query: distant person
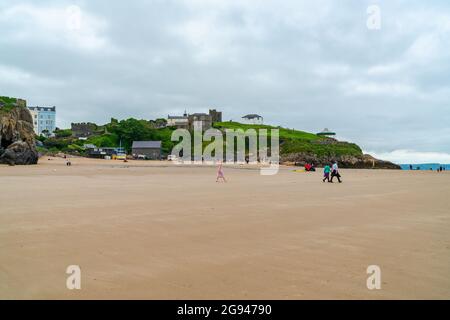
(307, 167)
(335, 172)
(411, 167)
(440, 169)
(220, 174)
(326, 173)
(68, 163)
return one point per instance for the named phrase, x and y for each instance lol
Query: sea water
(426, 166)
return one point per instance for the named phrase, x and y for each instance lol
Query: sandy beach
(154, 230)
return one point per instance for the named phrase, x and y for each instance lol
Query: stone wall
(84, 129)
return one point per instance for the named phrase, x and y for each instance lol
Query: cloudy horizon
(300, 64)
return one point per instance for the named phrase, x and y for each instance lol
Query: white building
(252, 119)
(178, 121)
(44, 120)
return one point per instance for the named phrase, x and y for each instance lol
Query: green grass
(126, 131)
(296, 141)
(104, 140)
(7, 104)
(284, 133)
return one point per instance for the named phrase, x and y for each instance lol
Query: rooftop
(199, 114)
(37, 108)
(177, 117)
(326, 132)
(252, 116)
(146, 144)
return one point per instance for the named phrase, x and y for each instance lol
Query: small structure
(326, 133)
(93, 151)
(150, 150)
(253, 119)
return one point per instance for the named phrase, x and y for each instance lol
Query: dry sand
(151, 230)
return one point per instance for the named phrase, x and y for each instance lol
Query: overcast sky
(300, 64)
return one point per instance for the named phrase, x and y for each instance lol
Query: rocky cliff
(363, 161)
(17, 143)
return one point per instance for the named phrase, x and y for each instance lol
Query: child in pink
(220, 174)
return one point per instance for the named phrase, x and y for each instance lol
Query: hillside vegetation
(7, 104)
(112, 134)
(126, 131)
(295, 141)
(296, 146)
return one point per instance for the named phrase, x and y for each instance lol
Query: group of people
(68, 162)
(310, 167)
(439, 169)
(329, 172)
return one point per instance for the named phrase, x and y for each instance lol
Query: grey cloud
(301, 64)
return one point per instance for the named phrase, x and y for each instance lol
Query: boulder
(17, 142)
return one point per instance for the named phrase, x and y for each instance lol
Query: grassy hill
(125, 131)
(296, 141)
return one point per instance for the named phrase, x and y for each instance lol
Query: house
(252, 119)
(44, 120)
(147, 149)
(193, 121)
(181, 122)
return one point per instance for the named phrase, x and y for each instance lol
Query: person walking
(335, 172)
(326, 173)
(220, 174)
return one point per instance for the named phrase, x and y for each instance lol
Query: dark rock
(344, 161)
(20, 153)
(17, 143)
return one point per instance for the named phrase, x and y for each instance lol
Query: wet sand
(152, 230)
